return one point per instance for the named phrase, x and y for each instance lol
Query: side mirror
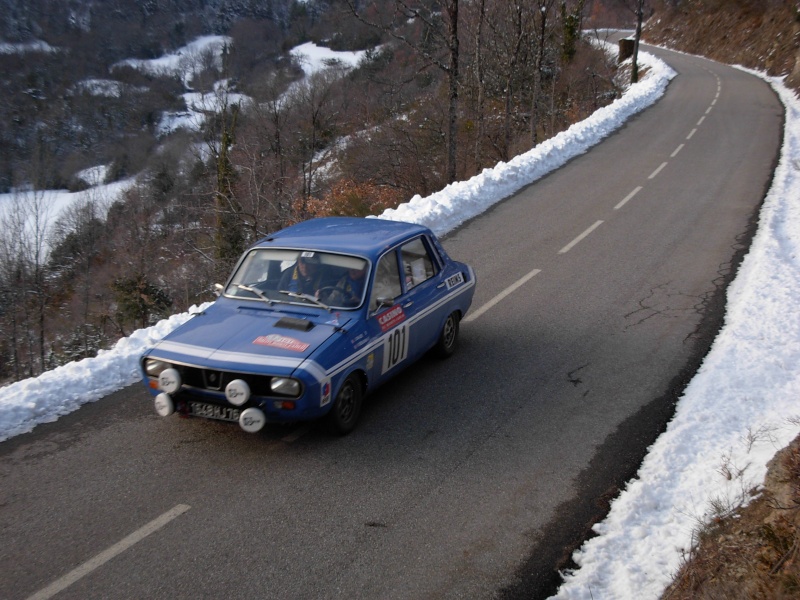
(385, 302)
(380, 303)
(218, 289)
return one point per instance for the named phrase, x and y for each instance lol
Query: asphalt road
(470, 478)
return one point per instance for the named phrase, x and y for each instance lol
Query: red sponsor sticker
(281, 341)
(390, 318)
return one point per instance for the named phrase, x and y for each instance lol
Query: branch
(411, 13)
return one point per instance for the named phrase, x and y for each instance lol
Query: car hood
(227, 336)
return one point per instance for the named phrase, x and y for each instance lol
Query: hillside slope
(751, 553)
(759, 34)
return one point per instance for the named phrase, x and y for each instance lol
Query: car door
(387, 320)
(403, 300)
(421, 293)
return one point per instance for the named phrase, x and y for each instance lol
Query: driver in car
(305, 277)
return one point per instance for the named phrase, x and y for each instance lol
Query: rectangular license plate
(213, 411)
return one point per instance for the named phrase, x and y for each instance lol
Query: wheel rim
(347, 402)
(449, 331)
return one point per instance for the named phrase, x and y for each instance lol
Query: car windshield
(300, 276)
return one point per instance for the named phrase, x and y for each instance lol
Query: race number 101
(395, 347)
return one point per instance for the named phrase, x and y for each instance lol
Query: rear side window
(418, 266)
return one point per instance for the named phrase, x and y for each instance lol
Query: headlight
(154, 367)
(284, 386)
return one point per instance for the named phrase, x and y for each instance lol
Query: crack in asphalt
(667, 310)
(576, 381)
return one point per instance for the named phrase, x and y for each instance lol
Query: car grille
(215, 381)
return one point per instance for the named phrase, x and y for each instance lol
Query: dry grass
(751, 552)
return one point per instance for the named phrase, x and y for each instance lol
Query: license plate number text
(212, 411)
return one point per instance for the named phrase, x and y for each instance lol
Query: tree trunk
(478, 156)
(452, 128)
(636, 38)
(537, 75)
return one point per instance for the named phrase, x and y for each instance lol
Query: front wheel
(446, 345)
(347, 407)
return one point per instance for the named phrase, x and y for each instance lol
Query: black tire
(448, 338)
(346, 409)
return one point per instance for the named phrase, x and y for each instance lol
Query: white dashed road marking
(105, 556)
(580, 238)
(519, 283)
(513, 287)
(628, 197)
(657, 171)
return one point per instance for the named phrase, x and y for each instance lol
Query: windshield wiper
(257, 292)
(307, 297)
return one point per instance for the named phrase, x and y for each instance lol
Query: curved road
(600, 289)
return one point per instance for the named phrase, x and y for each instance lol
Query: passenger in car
(351, 286)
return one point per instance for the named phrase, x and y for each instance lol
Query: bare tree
(637, 36)
(26, 226)
(139, 241)
(542, 10)
(637, 8)
(77, 238)
(517, 37)
(266, 182)
(220, 111)
(317, 110)
(437, 34)
(508, 63)
(12, 277)
(480, 81)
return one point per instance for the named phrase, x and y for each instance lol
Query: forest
(445, 89)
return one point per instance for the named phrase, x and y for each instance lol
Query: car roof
(351, 235)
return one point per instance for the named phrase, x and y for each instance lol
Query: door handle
(408, 304)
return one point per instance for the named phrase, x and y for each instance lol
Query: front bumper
(201, 392)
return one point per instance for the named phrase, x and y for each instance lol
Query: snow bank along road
(466, 478)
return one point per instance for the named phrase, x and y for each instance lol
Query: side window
(387, 280)
(417, 263)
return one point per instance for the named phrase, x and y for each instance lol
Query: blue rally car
(312, 319)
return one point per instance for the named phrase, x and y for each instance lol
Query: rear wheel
(346, 409)
(446, 345)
